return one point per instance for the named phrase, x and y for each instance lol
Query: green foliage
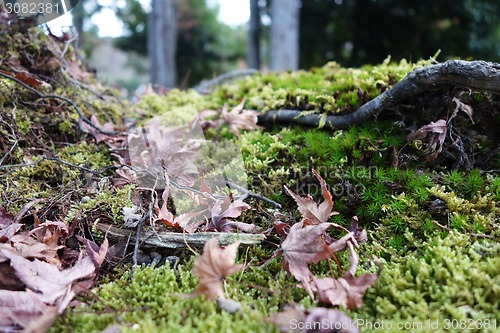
(153, 302)
(154, 105)
(360, 32)
(445, 279)
(330, 89)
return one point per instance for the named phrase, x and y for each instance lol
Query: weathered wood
(476, 75)
(175, 240)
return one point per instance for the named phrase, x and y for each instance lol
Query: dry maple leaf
(239, 119)
(8, 227)
(359, 233)
(461, 106)
(98, 135)
(212, 267)
(19, 308)
(312, 212)
(347, 291)
(304, 245)
(27, 79)
(181, 222)
(224, 211)
(309, 244)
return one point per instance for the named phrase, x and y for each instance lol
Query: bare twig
(253, 195)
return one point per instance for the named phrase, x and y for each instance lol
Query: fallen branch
(477, 75)
(175, 240)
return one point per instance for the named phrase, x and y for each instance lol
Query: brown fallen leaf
(224, 211)
(98, 135)
(310, 244)
(75, 69)
(304, 245)
(346, 291)
(313, 213)
(182, 222)
(239, 119)
(359, 233)
(27, 79)
(19, 308)
(8, 227)
(329, 321)
(440, 128)
(47, 289)
(212, 267)
(461, 106)
(291, 314)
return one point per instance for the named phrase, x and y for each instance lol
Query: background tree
(285, 34)
(162, 42)
(253, 54)
(81, 13)
(205, 47)
(356, 32)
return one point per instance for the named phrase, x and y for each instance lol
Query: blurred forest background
(178, 43)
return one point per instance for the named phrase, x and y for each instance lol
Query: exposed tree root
(477, 75)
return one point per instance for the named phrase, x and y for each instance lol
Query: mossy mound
(46, 155)
(434, 224)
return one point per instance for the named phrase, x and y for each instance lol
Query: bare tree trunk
(254, 36)
(162, 42)
(285, 34)
(78, 14)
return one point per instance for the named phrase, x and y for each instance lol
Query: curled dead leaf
(240, 119)
(212, 267)
(348, 290)
(313, 213)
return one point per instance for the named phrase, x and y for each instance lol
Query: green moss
(330, 88)
(111, 201)
(445, 279)
(152, 302)
(152, 105)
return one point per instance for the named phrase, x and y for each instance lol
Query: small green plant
(398, 224)
(473, 183)
(458, 221)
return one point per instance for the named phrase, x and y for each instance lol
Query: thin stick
(252, 195)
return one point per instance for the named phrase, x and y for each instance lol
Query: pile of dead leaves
(39, 274)
(306, 242)
(176, 161)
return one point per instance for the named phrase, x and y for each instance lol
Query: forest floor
(389, 225)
